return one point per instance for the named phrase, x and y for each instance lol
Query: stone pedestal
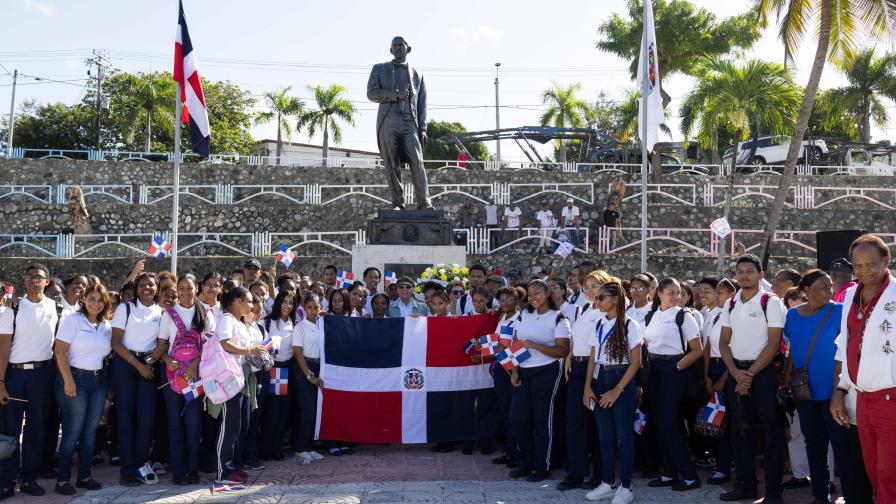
(409, 227)
(404, 259)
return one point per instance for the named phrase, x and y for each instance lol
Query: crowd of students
(618, 373)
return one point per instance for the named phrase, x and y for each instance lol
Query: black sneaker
(739, 494)
(793, 483)
(115, 461)
(660, 482)
(129, 481)
(591, 484)
(253, 464)
(180, 479)
(519, 472)
(569, 484)
(683, 486)
(32, 488)
(64, 488)
(537, 476)
(88, 484)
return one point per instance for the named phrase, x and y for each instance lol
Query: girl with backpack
(610, 390)
(235, 340)
(670, 331)
(279, 325)
(183, 326)
(254, 370)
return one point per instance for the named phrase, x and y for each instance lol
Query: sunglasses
(404, 287)
(601, 297)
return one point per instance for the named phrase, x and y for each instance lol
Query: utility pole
(497, 116)
(101, 63)
(12, 112)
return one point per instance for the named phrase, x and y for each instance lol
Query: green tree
(838, 26)
(685, 34)
(331, 105)
(282, 108)
(564, 110)
(55, 126)
(831, 119)
(137, 101)
(869, 79)
(734, 96)
(230, 117)
(440, 145)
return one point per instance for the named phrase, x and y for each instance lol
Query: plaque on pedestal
(427, 227)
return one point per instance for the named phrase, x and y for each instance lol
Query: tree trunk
(148, 133)
(326, 146)
(866, 121)
(802, 123)
(656, 166)
(279, 140)
(562, 152)
(729, 195)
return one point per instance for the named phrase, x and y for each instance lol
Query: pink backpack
(222, 378)
(187, 346)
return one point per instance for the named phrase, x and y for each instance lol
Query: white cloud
(464, 38)
(41, 7)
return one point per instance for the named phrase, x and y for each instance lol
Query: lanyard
(601, 339)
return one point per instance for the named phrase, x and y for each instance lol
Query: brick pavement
(374, 474)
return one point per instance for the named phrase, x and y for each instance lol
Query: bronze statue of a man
(401, 121)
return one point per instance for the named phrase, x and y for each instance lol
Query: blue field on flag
(357, 343)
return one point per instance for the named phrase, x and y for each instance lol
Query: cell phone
(591, 404)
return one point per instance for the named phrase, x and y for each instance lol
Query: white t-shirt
(513, 217)
(280, 333)
(88, 345)
(638, 315)
(35, 326)
(543, 329)
(582, 331)
(229, 328)
(491, 215)
(599, 338)
(662, 335)
(545, 218)
(712, 329)
(142, 326)
(749, 330)
(570, 213)
(307, 336)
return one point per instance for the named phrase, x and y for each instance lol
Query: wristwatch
(310, 375)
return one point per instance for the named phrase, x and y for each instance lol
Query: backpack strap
(176, 319)
(763, 302)
(679, 321)
(648, 318)
(15, 315)
(463, 302)
(560, 316)
(731, 304)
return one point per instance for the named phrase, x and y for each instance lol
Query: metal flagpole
(12, 112)
(175, 209)
(643, 120)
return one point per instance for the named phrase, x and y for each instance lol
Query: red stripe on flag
(447, 336)
(362, 417)
(179, 62)
(196, 84)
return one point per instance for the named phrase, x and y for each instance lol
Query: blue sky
(454, 43)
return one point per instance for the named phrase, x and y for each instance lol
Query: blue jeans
(80, 418)
(615, 426)
(819, 428)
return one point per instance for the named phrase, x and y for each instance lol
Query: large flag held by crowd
(186, 75)
(405, 380)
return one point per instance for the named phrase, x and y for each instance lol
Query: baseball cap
(840, 264)
(405, 280)
(515, 272)
(252, 263)
(495, 278)
(569, 200)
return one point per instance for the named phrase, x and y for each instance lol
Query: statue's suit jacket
(381, 89)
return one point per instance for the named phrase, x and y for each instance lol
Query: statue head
(400, 48)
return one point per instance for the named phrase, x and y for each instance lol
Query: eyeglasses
(35, 278)
(605, 296)
(404, 287)
(639, 289)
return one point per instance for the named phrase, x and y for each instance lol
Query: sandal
(146, 475)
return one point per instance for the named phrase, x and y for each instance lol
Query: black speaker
(832, 245)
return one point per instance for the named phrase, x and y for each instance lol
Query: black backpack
(694, 389)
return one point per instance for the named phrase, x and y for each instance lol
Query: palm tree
(735, 96)
(837, 25)
(869, 78)
(331, 105)
(564, 110)
(151, 98)
(281, 107)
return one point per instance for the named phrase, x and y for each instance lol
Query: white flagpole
(176, 207)
(643, 121)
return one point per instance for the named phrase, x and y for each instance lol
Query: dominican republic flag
(186, 75)
(192, 390)
(224, 487)
(404, 380)
(159, 247)
(513, 356)
(640, 420)
(506, 332)
(269, 345)
(469, 346)
(286, 256)
(279, 381)
(345, 278)
(489, 344)
(714, 411)
(389, 278)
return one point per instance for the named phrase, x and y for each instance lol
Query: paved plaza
(374, 474)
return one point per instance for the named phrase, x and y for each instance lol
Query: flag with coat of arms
(285, 255)
(159, 248)
(186, 75)
(714, 411)
(345, 279)
(279, 384)
(190, 390)
(513, 356)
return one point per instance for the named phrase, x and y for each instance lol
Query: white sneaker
(623, 496)
(315, 455)
(146, 475)
(303, 458)
(603, 491)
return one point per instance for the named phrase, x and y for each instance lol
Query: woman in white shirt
(560, 293)
(306, 348)
(580, 427)
(610, 391)
(639, 288)
(135, 341)
(82, 343)
(182, 326)
(508, 305)
(257, 395)
(280, 324)
(715, 297)
(670, 331)
(544, 331)
(210, 291)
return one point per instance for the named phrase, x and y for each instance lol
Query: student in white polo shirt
(280, 324)
(752, 324)
(26, 373)
(306, 349)
(544, 331)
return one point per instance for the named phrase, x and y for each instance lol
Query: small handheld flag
(389, 278)
(159, 247)
(279, 381)
(513, 356)
(505, 334)
(269, 345)
(469, 346)
(224, 487)
(489, 344)
(286, 256)
(714, 411)
(345, 279)
(192, 391)
(640, 421)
